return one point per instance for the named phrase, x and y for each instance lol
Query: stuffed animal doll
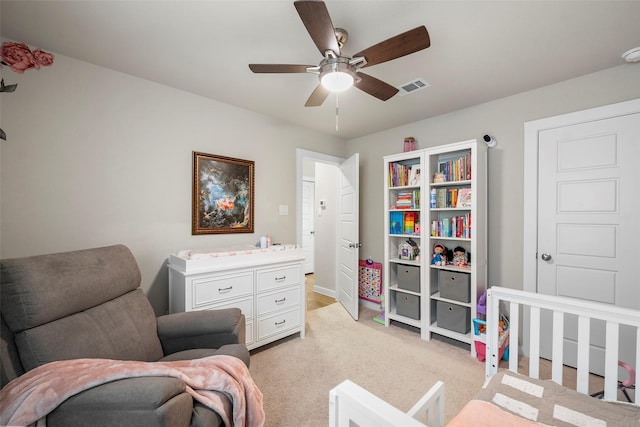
(460, 256)
(439, 257)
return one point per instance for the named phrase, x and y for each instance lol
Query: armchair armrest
(201, 329)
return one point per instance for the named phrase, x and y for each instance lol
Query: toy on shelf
(409, 250)
(460, 257)
(439, 255)
(480, 338)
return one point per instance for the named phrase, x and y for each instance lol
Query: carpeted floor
(295, 375)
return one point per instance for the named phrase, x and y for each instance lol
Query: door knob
(545, 256)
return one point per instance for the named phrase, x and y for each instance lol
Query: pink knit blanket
(222, 383)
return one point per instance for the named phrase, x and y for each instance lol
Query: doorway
(580, 237)
(319, 171)
(336, 223)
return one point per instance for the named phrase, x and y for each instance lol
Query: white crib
(350, 403)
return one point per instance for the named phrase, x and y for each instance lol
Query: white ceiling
(480, 50)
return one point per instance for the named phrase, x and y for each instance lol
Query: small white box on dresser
(266, 284)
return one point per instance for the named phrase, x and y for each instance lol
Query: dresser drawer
(278, 277)
(211, 289)
(277, 323)
(282, 299)
(244, 304)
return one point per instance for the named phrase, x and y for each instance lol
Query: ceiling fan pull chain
(337, 111)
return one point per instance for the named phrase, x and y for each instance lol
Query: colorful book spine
(456, 227)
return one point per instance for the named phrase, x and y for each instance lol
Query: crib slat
(611, 361)
(493, 314)
(534, 343)
(584, 330)
(514, 330)
(557, 346)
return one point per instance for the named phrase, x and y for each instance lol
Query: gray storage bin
(454, 286)
(409, 277)
(408, 305)
(453, 317)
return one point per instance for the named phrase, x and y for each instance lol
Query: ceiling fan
(337, 72)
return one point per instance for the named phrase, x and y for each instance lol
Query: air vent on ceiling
(413, 86)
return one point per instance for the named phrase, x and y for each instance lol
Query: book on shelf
(454, 227)
(407, 199)
(404, 200)
(404, 222)
(464, 198)
(447, 198)
(456, 169)
(414, 174)
(401, 175)
(441, 198)
(396, 222)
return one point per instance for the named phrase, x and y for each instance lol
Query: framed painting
(223, 194)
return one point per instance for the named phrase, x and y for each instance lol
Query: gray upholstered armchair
(88, 304)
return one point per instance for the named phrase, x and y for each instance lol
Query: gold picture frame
(223, 195)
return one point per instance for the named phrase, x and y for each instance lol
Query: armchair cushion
(124, 328)
(44, 288)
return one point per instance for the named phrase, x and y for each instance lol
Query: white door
(308, 241)
(348, 236)
(588, 231)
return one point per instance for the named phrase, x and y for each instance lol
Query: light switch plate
(284, 209)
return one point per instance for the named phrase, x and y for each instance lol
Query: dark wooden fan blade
(316, 19)
(279, 68)
(375, 87)
(317, 96)
(403, 44)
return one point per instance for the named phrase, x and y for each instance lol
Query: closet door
(588, 233)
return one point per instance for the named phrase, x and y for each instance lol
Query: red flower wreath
(19, 57)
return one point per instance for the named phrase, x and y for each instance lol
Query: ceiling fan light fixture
(337, 81)
(337, 76)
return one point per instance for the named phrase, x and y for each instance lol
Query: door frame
(532, 130)
(302, 154)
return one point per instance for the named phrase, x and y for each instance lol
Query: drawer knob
(280, 279)
(225, 289)
(280, 301)
(280, 323)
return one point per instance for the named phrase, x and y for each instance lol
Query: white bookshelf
(435, 282)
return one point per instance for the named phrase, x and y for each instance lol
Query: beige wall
(504, 119)
(95, 157)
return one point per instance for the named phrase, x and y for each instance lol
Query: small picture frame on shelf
(414, 175)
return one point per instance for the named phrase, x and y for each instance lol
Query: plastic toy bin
(480, 340)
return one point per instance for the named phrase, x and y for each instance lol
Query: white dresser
(266, 284)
